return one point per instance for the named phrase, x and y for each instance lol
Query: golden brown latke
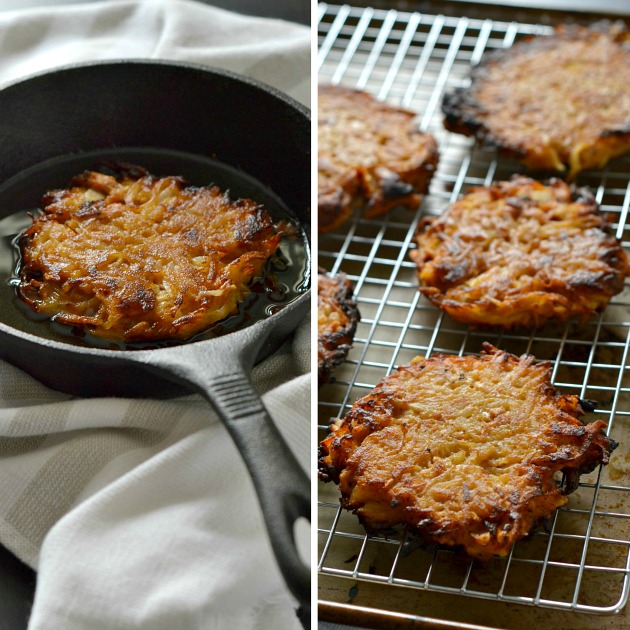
(337, 318)
(371, 155)
(555, 102)
(463, 450)
(141, 258)
(519, 253)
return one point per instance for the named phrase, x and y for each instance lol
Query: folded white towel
(140, 513)
(273, 51)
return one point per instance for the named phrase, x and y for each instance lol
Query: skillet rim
(107, 353)
(283, 96)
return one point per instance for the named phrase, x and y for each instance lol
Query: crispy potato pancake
(556, 102)
(466, 451)
(520, 253)
(139, 258)
(371, 156)
(337, 319)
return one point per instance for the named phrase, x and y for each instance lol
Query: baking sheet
(578, 562)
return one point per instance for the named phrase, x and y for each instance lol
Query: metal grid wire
(580, 560)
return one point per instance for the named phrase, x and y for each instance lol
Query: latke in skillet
(337, 318)
(556, 102)
(139, 258)
(371, 155)
(519, 253)
(465, 451)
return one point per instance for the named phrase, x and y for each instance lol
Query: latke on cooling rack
(556, 102)
(371, 155)
(462, 450)
(520, 253)
(337, 319)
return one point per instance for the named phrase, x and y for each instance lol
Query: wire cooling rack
(580, 560)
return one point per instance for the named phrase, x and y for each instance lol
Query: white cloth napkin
(140, 513)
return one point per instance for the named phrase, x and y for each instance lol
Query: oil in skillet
(287, 277)
(285, 280)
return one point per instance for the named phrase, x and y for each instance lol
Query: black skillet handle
(218, 370)
(282, 486)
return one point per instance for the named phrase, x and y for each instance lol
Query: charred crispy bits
(519, 253)
(463, 450)
(135, 257)
(555, 102)
(371, 155)
(337, 318)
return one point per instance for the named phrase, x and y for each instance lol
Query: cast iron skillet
(56, 124)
